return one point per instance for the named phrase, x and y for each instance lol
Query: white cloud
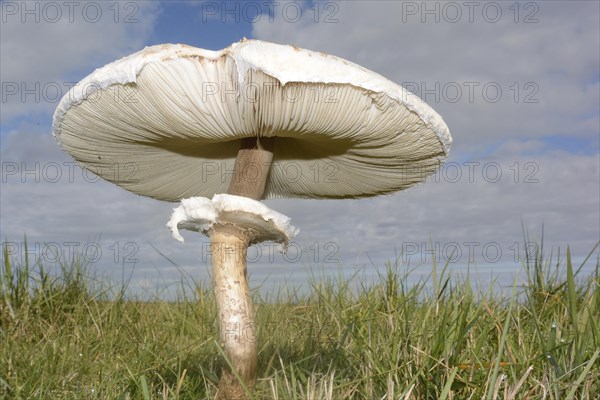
(47, 46)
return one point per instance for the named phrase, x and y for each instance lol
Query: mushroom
(253, 121)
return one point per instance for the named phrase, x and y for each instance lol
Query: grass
(73, 336)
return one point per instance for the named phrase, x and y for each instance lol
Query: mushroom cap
(167, 122)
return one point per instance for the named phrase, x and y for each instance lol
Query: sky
(518, 84)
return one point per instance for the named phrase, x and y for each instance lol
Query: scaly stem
(238, 330)
(229, 248)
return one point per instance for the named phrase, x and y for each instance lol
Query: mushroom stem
(236, 315)
(252, 167)
(229, 249)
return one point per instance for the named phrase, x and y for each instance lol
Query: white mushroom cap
(175, 114)
(201, 214)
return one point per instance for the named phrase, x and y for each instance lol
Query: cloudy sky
(518, 84)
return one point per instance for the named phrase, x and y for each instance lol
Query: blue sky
(205, 25)
(518, 83)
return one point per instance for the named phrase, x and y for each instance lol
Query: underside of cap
(201, 214)
(168, 123)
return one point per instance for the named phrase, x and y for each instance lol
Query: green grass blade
(584, 373)
(7, 269)
(571, 293)
(448, 385)
(572, 307)
(144, 386)
(494, 377)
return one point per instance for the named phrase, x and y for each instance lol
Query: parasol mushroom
(253, 121)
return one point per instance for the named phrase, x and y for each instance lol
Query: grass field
(75, 336)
